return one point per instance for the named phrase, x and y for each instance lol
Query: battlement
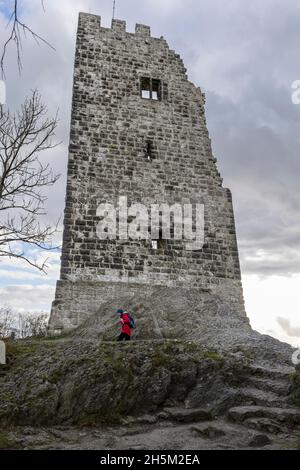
(89, 18)
(142, 30)
(118, 26)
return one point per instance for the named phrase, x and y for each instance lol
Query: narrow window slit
(149, 155)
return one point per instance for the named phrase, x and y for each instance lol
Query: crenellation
(142, 30)
(118, 26)
(88, 18)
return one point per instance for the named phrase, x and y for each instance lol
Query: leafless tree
(24, 325)
(6, 322)
(33, 325)
(23, 178)
(17, 31)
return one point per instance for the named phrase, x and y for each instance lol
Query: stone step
(185, 415)
(255, 396)
(265, 425)
(276, 386)
(283, 373)
(208, 431)
(286, 416)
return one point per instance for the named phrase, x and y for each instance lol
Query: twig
(17, 28)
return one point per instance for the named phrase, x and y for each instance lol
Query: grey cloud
(261, 166)
(291, 331)
(245, 57)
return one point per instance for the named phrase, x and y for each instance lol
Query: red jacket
(125, 322)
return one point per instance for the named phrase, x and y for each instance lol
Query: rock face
(150, 151)
(71, 381)
(233, 381)
(207, 379)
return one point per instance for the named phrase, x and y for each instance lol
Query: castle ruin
(138, 129)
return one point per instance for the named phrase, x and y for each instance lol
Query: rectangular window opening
(156, 90)
(159, 243)
(150, 89)
(146, 88)
(154, 244)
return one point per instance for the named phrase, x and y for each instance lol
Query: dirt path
(217, 434)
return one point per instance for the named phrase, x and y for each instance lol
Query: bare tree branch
(33, 325)
(23, 178)
(18, 30)
(25, 325)
(6, 322)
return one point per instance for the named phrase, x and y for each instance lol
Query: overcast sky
(245, 56)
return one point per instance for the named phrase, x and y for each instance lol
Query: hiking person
(125, 325)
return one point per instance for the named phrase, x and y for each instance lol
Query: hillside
(87, 391)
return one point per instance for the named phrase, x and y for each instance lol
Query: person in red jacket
(125, 326)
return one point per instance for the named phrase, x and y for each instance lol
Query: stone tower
(138, 130)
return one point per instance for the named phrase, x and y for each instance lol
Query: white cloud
(288, 328)
(268, 299)
(27, 297)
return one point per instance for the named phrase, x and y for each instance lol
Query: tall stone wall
(111, 128)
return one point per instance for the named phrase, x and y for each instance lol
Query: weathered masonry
(138, 129)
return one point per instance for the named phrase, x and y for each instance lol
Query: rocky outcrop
(76, 382)
(232, 382)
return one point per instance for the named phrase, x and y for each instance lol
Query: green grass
(160, 358)
(296, 397)
(54, 338)
(6, 396)
(6, 442)
(212, 355)
(111, 418)
(17, 348)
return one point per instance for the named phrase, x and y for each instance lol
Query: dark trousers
(124, 337)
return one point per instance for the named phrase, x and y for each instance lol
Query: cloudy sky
(245, 56)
